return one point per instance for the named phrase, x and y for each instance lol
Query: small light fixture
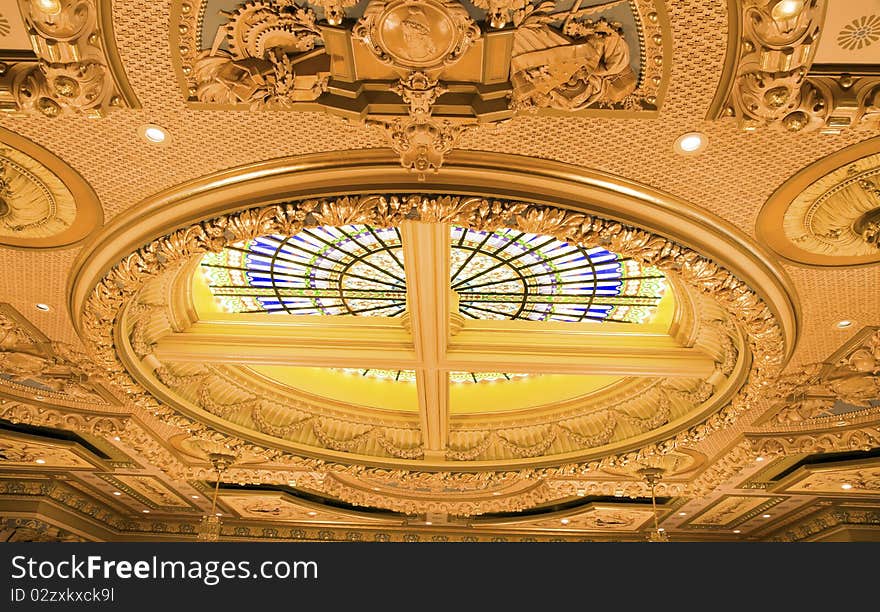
(312, 513)
(117, 438)
(565, 521)
(375, 488)
(218, 514)
(42, 307)
(845, 323)
(581, 493)
(153, 133)
(291, 483)
(145, 511)
(39, 398)
(765, 516)
(117, 493)
(759, 459)
(194, 496)
(50, 7)
(690, 143)
(428, 523)
(786, 9)
(846, 486)
(737, 531)
(682, 514)
(40, 461)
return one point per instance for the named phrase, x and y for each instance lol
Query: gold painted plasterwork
(44, 203)
(21, 451)
(151, 489)
(471, 212)
(823, 215)
(447, 73)
(851, 377)
(769, 77)
(77, 71)
(730, 510)
(862, 480)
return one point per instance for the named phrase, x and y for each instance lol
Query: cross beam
(421, 340)
(426, 262)
(373, 342)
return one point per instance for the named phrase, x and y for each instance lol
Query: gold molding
(89, 213)
(768, 340)
(347, 69)
(510, 176)
(769, 224)
(77, 71)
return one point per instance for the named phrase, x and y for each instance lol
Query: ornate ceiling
(424, 270)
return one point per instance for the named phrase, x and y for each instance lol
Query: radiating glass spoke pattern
(350, 270)
(509, 274)
(359, 270)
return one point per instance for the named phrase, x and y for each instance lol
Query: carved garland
(124, 280)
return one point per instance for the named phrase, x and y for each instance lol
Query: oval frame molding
(89, 213)
(769, 225)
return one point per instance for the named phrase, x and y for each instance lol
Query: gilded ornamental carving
(73, 73)
(771, 80)
(468, 62)
(123, 282)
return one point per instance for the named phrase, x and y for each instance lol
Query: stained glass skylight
(359, 270)
(351, 270)
(509, 274)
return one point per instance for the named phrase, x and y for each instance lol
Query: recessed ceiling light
(737, 531)
(843, 324)
(565, 521)
(42, 307)
(117, 493)
(145, 511)
(786, 9)
(690, 143)
(759, 458)
(194, 496)
(428, 523)
(153, 133)
(117, 438)
(765, 516)
(682, 514)
(40, 461)
(846, 486)
(312, 513)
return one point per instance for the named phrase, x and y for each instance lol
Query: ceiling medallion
(829, 213)
(43, 202)
(426, 71)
